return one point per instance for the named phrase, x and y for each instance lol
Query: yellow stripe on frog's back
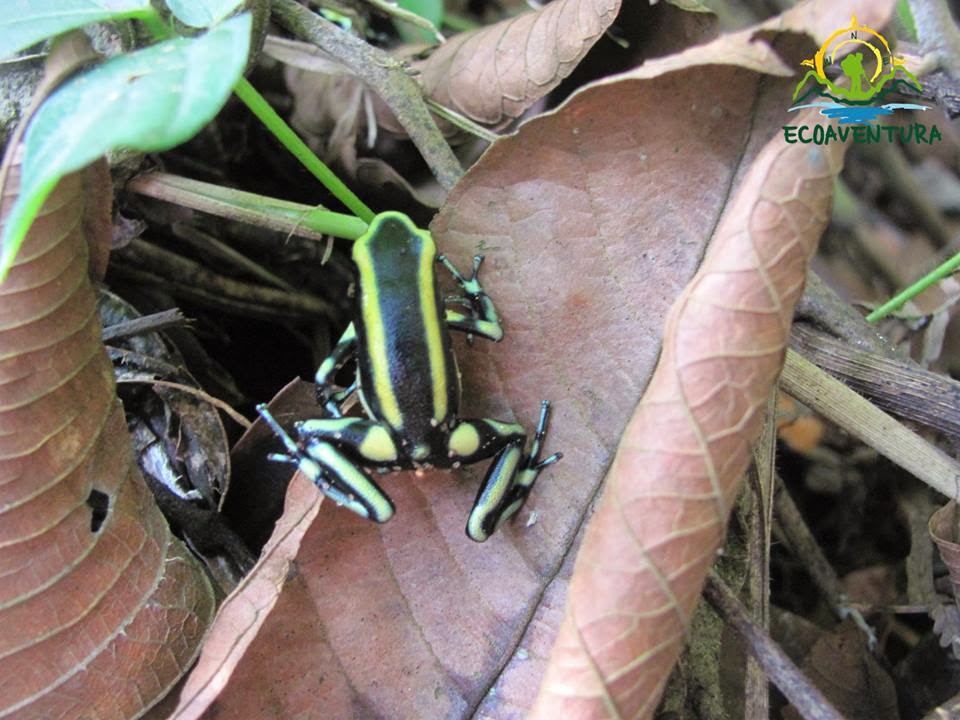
(376, 333)
(432, 328)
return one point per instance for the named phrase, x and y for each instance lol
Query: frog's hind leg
(512, 473)
(332, 472)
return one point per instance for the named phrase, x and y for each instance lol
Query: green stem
(290, 140)
(894, 303)
(259, 210)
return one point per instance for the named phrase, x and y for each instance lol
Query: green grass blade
(932, 278)
(292, 142)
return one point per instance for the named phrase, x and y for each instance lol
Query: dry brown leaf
(244, 612)
(101, 608)
(669, 492)
(748, 49)
(579, 267)
(492, 75)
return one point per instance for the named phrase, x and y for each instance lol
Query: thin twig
(899, 386)
(761, 477)
(864, 420)
(805, 697)
(385, 75)
(804, 546)
(189, 277)
(463, 122)
(389, 7)
(196, 392)
(821, 305)
(204, 242)
(148, 323)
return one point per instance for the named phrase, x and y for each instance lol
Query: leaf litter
(628, 181)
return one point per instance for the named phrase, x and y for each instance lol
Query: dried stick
(805, 697)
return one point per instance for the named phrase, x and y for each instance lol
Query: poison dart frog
(408, 383)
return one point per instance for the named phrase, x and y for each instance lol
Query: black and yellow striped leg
(328, 396)
(337, 476)
(512, 473)
(366, 441)
(484, 320)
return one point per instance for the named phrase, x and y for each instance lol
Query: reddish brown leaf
(747, 49)
(101, 609)
(677, 471)
(578, 267)
(241, 616)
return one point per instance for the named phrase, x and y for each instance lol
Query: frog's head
(392, 236)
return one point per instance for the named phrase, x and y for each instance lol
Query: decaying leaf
(576, 267)
(101, 608)
(494, 74)
(945, 533)
(669, 492)
(491, 75)
(242, 615)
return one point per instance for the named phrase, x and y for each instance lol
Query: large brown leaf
(593, 219)
(101, 609)
(669, 493)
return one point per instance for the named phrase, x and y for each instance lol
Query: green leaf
(149, 100)
(202, 13)
(30, 21)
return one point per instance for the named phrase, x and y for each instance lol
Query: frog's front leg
(484, 320)
(345, 349)
(323, 456)
(512, 473)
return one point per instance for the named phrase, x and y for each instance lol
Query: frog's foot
(333, 473)
(470, 285)
(481, 318)
(509, 481)
(533, 458)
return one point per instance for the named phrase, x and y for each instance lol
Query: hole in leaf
(99, 503)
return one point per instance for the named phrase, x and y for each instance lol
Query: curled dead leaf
(663, 513)
(101, 608)
(494, 74)
(243, 613)
(945, 533)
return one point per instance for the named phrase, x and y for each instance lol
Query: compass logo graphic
(865, 71)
